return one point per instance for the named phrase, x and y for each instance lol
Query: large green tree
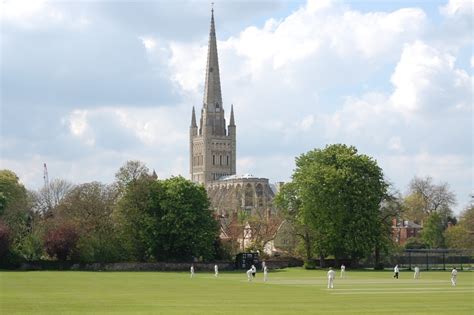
(167, 219)
(15, 209)
(340, 192)
(288, 202)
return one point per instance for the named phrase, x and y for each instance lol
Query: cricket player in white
(216, 271)
(263, 265)
(249, 274)
(254, 270)
(396, 270)
(265, 274)
(454, 274)
(192, 271)
(417, 273)
(343, 270)
(331, 276)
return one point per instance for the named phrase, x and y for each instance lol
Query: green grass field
(290, 291)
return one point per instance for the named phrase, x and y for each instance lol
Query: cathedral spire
(232, 121)
(212, 90)
(193, 119)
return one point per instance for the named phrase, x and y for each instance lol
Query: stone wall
(158, 266)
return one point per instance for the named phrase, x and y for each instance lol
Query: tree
(91, 207)
(13, 195)
(289, 204)
(15, 209)
(264, 226)
(60, 241)
(5, 240)
(340, 192)
(187, 227)
(461, 236)
(168, 219)
(129, 173)
(49, 197)
(433, 230)
(425, 198)
(390, 208)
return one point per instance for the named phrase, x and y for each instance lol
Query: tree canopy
(340, 192)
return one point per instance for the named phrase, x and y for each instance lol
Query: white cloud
(427, 82)
(457, 7)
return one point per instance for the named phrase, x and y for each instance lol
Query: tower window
(227, 160)
(213, 160)
(220, 159)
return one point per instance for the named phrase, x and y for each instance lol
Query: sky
(88, 85)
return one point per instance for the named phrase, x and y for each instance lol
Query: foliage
(289, 204)
(461, 236)
(91, 206)
(49, 197)
(425, 198)
(12, 192)
(168, 219)
(5, 240)
(187, 227)
(130, 173)
(340, 192)
(60, 240)
(432, 233)
(415, 243)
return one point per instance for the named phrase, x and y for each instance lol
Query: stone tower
(212, 146)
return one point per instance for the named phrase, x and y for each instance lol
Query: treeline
(137, 218)
(340, 205)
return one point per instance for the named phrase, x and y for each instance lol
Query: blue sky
(88, 85)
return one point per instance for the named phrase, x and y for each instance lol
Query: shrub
(5, 240)
(60, 242)
(310, 264)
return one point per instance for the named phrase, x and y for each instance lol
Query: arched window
(220, 159)
(227, 160)
(248, 196)
(259, 193)
(213, 160)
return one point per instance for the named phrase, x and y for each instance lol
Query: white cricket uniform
(396, 270)
(331, 276)
(254, 270)
(263, 265)
(249, 274)
(417, 273)
(343, 270)
(192, 271)
(265, 274)
(454, 274)
(216, 271)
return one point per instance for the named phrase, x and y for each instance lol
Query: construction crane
(45, 176)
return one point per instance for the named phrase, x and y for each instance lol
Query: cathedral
(213, 150)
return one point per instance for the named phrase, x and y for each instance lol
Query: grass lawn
(290, 291)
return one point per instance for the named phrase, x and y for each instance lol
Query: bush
(31, 247)
(5, 240)
(60, 242)
(99, 247)
(415, 243)
(310, 264)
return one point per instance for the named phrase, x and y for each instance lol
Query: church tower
(212, 145)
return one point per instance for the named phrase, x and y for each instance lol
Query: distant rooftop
(244, 176)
